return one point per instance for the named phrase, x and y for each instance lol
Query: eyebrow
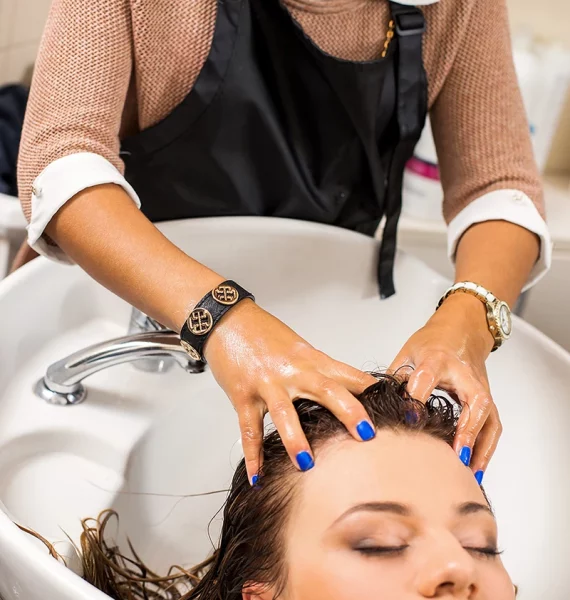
(471, 508)
(390, 507)
(402, 510)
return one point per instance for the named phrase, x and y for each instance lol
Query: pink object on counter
(423, 168)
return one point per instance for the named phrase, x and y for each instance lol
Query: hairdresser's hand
(264, 366)
(450, 353)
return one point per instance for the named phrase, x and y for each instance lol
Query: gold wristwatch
(499, 318)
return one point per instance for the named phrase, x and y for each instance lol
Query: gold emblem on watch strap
(192, 352)
(200, 321)
(225, 294)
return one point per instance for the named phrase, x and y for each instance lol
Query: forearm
(499, 256)
(102, 230)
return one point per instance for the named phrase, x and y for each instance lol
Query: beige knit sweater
(107, 68)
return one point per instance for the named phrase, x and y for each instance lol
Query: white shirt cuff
(61, 181)
(505, 205)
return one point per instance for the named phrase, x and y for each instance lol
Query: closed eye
(485, 552)
(382, 550)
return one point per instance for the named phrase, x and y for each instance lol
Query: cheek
(345, 575)
(496, 584)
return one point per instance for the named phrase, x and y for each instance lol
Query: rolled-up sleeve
(482, 137)
(70, 139)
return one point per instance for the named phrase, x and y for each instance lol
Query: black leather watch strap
(206, 315)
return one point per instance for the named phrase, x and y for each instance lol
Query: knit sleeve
(479, 122)
(79, 88)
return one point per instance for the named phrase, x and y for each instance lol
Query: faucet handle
(142, 323)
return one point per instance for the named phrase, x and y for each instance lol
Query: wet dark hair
(254, 518)
(251, 547)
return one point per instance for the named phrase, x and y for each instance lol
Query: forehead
(413, 469)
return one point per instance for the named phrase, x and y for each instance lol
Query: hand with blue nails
(264, 366)
(449, 353)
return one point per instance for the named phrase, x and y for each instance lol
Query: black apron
(276, 127)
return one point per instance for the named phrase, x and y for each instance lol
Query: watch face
(505, 320)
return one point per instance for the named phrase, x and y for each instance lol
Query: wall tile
(29, 20)
(548, 20)
(559, 160)
(19, 60)
(7, 9)
(3, 58)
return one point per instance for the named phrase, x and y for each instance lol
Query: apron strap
(411, 108)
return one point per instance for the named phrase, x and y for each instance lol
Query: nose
(449, 571)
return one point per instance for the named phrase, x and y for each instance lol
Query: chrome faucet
(62, 383)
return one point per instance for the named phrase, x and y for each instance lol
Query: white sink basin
(142, 440)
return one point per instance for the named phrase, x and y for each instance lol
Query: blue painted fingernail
(479, 477)
(465, 455)
(411, 417)
(305, 461)
(365, 431)
(254, 479)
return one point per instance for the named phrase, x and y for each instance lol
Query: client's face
(398, 518)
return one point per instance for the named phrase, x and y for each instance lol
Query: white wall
(549, 20)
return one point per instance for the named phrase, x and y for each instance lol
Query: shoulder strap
(412, 85)
(411, 109)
